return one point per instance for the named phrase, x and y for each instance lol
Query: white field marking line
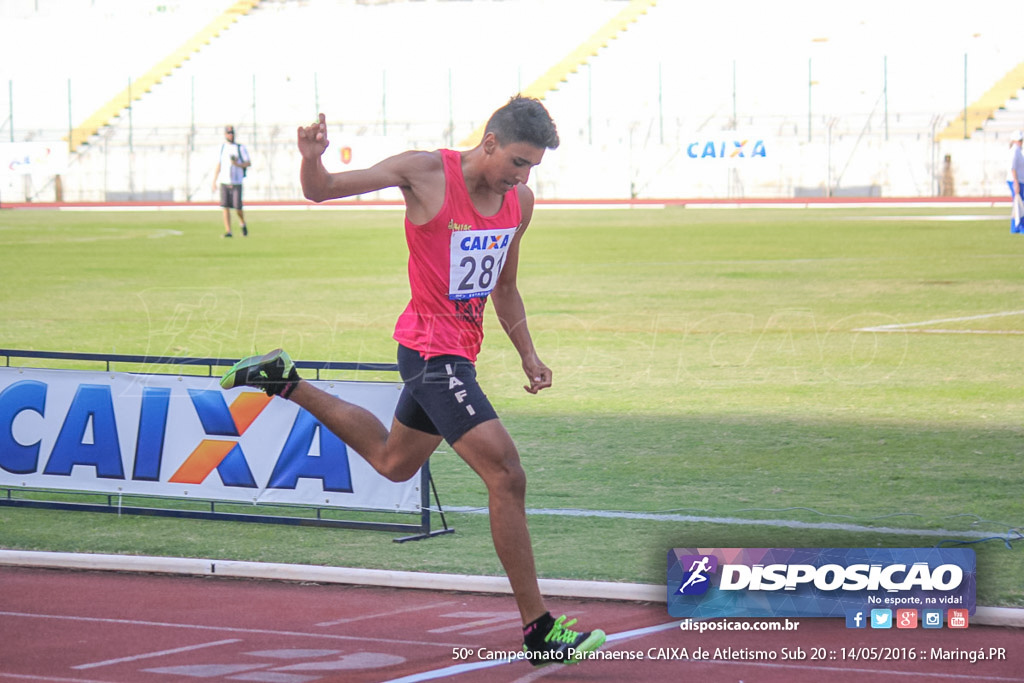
(148, 655)
(902, 327)
(434, 605)
(658, 517)
(949, 217)
(229, 629)
(941, 331)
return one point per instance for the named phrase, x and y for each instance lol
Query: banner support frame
(421, 530)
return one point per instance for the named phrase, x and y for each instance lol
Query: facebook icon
(856, 619)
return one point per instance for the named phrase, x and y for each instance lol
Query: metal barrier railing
(219, 509)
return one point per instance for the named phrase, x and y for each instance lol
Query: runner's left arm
(509, 307)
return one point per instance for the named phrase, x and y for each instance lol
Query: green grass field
(857, 368)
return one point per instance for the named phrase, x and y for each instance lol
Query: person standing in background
(1015, 179)
(232, 162)
(947, 187)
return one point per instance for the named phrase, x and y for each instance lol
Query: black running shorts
(231, 196)
(441, 395)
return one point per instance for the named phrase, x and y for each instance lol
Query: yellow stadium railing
(559, 73)
(140, 86)
(984, 109)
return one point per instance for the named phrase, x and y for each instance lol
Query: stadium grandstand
(125, 100)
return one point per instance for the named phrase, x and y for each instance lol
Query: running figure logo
(696, 580)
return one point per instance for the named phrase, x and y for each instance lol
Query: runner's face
(511, 164)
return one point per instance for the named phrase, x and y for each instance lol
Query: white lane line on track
(874, 674)
(870, 674)
(228, 629)
(375, 615)
(49, 679)
(148, 655)
(477, 666)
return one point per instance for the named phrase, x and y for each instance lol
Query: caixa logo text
(831, 577)
(726, 149)
(478, 243)
(91, 412)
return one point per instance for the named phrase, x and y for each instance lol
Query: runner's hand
(312, 139)
(538, 374)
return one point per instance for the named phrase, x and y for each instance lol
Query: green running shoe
(273, 373)
(562, 645)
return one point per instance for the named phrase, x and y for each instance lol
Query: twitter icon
(881, 618)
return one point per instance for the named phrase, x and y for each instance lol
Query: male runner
(465, 216)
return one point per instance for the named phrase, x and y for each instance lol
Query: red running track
(103, 627)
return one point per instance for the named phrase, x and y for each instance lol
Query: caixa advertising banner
(185, 437)
(706, 583)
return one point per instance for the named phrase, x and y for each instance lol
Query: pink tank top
(454, 262)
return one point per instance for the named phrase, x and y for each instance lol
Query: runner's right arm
(411, 171)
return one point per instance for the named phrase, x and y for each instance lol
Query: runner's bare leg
(490, 451)
(396, 454)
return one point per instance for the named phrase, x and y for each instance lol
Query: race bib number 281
(477, 257)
